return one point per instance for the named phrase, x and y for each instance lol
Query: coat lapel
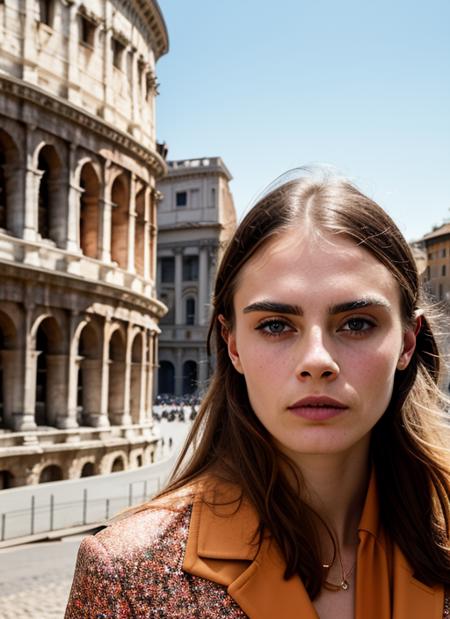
(222, 547)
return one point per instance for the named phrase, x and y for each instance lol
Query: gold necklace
(344, 585)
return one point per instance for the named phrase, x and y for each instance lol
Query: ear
(230, 338)
(409, 344)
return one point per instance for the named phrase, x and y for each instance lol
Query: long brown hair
(410, 443)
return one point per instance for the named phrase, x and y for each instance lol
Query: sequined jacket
(183, 558)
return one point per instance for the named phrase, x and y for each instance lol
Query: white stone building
(196, 218)
(78, 305)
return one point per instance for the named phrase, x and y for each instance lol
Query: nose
(316, 360)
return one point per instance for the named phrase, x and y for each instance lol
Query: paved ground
(35, 579)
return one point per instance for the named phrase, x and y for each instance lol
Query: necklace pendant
(344, 585)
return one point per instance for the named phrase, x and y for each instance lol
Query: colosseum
(78, 169)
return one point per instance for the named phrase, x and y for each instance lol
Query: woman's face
(318, 336)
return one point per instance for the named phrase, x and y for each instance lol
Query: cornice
(53, 104)
(150, 11)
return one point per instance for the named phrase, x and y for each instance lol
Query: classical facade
(436, 246)
(196, 218)
(78, 306)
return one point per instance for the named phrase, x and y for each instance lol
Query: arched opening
(52, 472)
(118, 465)
(8, 159)
(48, 372)
(89, 210)
(89, 375)
(136, 379)
(189, 377)
(6, 480)
(139, 460)
(166, 378)
(116, 378)
(88, 469)
(50, 166)
(119, 221)
(190, 311)
(7, 364)
(139, 240)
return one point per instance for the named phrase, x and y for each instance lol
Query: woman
(319, 483)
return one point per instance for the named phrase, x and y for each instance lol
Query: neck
(336, 486)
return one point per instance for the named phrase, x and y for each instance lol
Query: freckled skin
(350, 356)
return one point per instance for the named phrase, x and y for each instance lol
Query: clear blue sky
(268, 86)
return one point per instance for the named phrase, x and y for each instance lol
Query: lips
(318, 402)
(317, 408)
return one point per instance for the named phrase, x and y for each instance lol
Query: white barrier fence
(43, 508)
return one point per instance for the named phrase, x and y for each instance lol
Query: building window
(430, 256)
(167, 270)
(190, 311)
(194, 198)
(181, 198)
(441, 292)
(87, 31)
(190, 268)
(117, 52)
(444, 270)
(443, 253)
(428, 272)
(46, 12)
(213, 196)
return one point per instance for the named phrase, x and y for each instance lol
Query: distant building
(196, 218)
(78, 304)
(436, 245)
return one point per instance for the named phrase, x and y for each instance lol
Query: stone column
(57, 382)
(152, 366)
(92, 372)
(178, 286)
(73, 209)
(73, 58)
(178, 372)
(108, 94)
(117, 392)
(102, 420)
(29, 51)
(14, 176)
(202, 369)
(13, 363)
(25, 419)
(71, 421)
(203, 299)
(32, 181)
(105, 220)
(132, 224)
(148, 239)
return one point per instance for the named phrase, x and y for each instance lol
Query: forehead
(315, 266)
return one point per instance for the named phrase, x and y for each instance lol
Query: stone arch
(137, 376)
(50, 375)
(8, 360)
(190, 377)
(166, 377)
(51, 472)
(88, 469)
(9, 157)
(116, 383)
(6, 479)
(120, 198)
(118, 464)
(89, 210)
(50, 211)
(89, 375)
(139, 236)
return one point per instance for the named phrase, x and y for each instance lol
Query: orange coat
(183, 558)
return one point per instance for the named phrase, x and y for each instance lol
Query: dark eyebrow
(295, 310)
(356, 304)
(275, 307)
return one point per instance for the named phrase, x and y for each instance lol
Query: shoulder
(162, 522)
